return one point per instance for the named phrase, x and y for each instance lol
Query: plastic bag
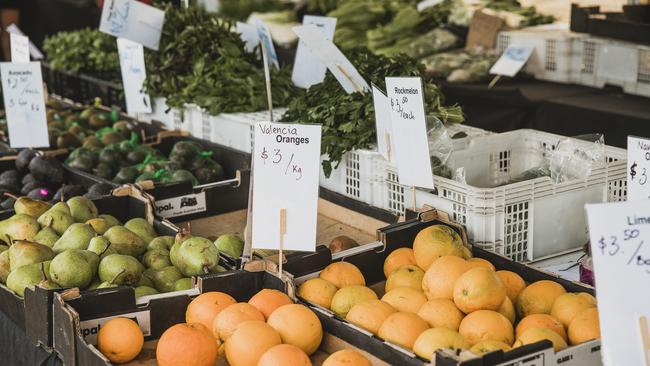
(572, 160)
(440, 147)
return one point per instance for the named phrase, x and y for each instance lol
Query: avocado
(145, 176)
(123, 128)
(23, 159)
(77, 130)
(99, 120)
(31, 186)
(8, 203)
(104, 170)
(84, 163)
(111, 137)
(208, 175)
(28, 178)
(92, 142)
(186, 149)
(12, 176)
(98, 190)
(136, 156)
(42, 194)
(126, 175)
(110, 156)
(68, 191)
(183, 175)
(67, 140)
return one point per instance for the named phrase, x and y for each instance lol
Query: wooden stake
(494, 81)
(267, 77)
(415, 206)
(283, 230)
(357, 87)
(388, 147)
(645, 338)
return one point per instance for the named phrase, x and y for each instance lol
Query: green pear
(113, 264)
(101, 246)
(24, 252)
(25, 276)
(31, 207)
(57, 219)
(93, 259)
(18, 227)
(161, 242)
(71, 268)
(178, 240)
(82, 209)
(145, 281)
(125, 241)
(195, 256)
(93, 285)
(231, 245)
(164, 278)
(156, 259)
(111, 220)
(145, 291)
(183, 284)
(5, 266)
(77, 236)
(142, 229)
(100, 225)
(113, 281)
(47, 236)
(3, 248)
(61, 207)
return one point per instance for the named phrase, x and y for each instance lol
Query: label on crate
(19, 48)
(333, 58)
(408, 121)
(286, 166)
(638, 168)
(383, 124)
(512, 60)
(33, 50)
(22, 89)
(90, 328)
(182, 205)
(248, 34)
(620, 247)
(134, 21)
(267, 42)
(133, 75)
(308, 70)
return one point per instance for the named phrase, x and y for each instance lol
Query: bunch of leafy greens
(241, 9)
(202, 61)
(530, 15)
(86, 50)
(349, 119)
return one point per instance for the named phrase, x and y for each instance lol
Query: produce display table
(17, 348)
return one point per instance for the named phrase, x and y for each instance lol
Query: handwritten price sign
(133, 20)
(286, 165)
(638, 167)
(133, 74)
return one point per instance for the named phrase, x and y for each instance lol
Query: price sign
(333, 58)
(249, 35)
(286, 165)
(383, 123)
(133, 75)
(638, 168)
(409, 127)
(308, 70)
(267, 42)
(512, 60)
(134, 21)
(620, 247)
(19, 48)
(22, 89)
(33, 50)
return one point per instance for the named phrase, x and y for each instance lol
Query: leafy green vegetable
(241, 9)
(86, 50)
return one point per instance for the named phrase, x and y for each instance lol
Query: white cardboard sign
(33, 50)
(134, 21)
(133, 75)
(182, 205)
(333, 58)
(512, 60)
(22, 89)
(248, 34)
(265, 37)
(286, 166)
(383, 124)
(19, 48)
(638, 168)
(308, 70)
(620, 247)
(409, 127)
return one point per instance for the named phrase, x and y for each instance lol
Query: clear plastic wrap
(572, 160)
(440, 147)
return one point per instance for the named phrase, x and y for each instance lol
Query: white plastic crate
(555, 50)
(235, 130)
(603, 61)
(171, 118)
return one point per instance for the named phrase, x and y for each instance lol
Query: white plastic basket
(235, 130)
(171, 118)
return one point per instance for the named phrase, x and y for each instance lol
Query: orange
(369, 314)
(347, 357)
(229, 318)
(318, 291)
(205, 307)
(285, 355)
(538, 298)
(584, 327)
(186, 344)
(249, 342)
(405, 299)
(484, 347)
(434, 242)
(267, 300)
(480, 262)
(342, 274)
(431, 340)
(568, 306)
(507, 309)
(402, 329)
(347, 297)
(441, 313)
(120, 340)
(540, 320)
(405, 276)
(486, 325)
(479, 289)
(534, 335)
(297, 325)
(513, 282)
(439, 280)
(397, 258)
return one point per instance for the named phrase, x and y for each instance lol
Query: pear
(183, 284)
(161, 242)
(101, 246)
(82, 209)
(231, 245)
(112, 282)
(3, 248)
(195, 256)
(142, 229)
(111, 220)
(125, 241)
(113, 264)
(47, 282)
(47, 236)
(145, 291)
(31, 207)
(93, 285)
(145, 281)
(93, 259)
(164, 278)
(72, 268)
(24, 252)
(61, 207)
(5, 267)
(99, 225)
(18, 227)
(56, 218)
(25, 276)
(156, 259)
(77, 236)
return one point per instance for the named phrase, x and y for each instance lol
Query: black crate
(85, 88)
(632, 25)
